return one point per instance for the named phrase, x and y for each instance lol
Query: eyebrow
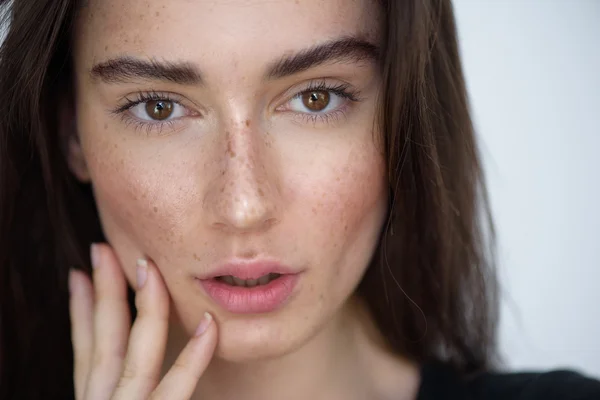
(123, 69)
(344, 50)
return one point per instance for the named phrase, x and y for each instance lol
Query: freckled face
(235, 161)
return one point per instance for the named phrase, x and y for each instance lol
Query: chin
(256, 339)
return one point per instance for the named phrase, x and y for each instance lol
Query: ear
(70, 142)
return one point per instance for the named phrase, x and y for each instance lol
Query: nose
(244, 197)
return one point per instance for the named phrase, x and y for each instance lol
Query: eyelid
(325, 84)
(133, 99)
(348, 94)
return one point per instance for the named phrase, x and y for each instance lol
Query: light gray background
(533, 73)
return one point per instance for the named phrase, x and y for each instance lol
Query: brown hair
(431, 285)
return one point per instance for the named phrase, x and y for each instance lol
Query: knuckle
(100, 360)
(80, 361)
(179, 367)
(157, 312)
(107, 359)
(131, 377)
(129, 372)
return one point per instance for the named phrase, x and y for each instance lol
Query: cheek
(348, 208)
(141, 199)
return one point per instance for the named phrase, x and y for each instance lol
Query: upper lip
(248, 269)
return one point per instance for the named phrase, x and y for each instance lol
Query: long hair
(430, 286)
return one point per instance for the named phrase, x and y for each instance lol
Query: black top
(440, 382)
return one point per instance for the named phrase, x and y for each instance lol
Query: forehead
(233, 31)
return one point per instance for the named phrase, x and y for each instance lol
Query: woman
(286, 197)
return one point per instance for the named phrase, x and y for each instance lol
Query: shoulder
(553, 385)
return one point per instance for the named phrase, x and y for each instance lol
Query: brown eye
(159, 110)
(316, 100)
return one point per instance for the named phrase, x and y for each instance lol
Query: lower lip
(255, 300)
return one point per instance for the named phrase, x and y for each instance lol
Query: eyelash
(144, 97)
(344, 91)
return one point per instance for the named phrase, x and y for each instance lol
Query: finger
(148, 338)
(181, 380)
(111, 322)
(81, 309)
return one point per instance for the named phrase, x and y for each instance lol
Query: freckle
(157, 14)
(196, 257)
(261, 193)
(247, 122)
(230, 151)
(345, 227)
(126, 40)
(105, 48)
(222, 189)
(155, 209)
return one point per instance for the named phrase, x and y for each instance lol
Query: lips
(235, 281)
(249, 269)
(250, 287)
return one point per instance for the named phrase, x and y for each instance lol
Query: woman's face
(240, 133)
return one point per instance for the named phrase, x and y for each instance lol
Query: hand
(114, 360)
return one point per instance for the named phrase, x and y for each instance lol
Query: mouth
(250, 287)
(249, 283)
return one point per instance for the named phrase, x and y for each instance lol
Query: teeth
(251, 282)
(235, 281)
(239, 282)
(228, 280)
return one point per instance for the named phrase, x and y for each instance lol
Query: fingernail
(204, 324)
(141, 272)
(95, 255)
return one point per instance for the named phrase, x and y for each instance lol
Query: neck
(347, 360)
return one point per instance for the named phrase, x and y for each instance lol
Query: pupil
(316, 101)
(159, 109)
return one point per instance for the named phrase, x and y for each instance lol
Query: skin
(242, 172)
